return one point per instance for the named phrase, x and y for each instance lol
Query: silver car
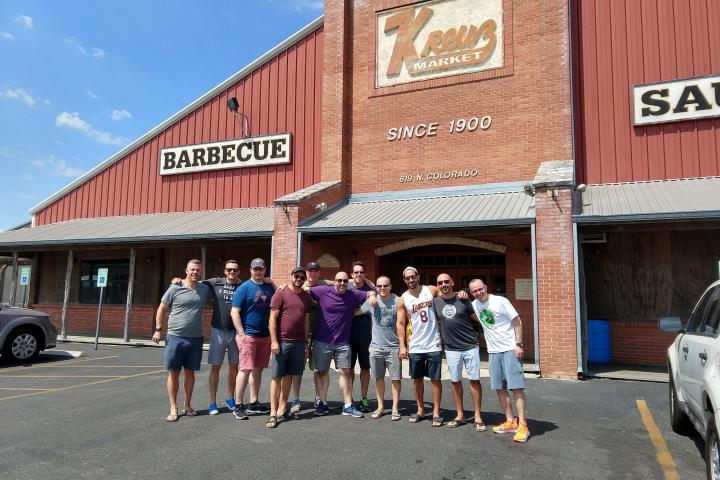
(694, 368)
(24, 333)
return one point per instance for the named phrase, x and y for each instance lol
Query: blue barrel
(599, 341)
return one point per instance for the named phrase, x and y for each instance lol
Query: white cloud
(7, 36)
(18, 94)
(73, 121)
(121, 114)
(28, 178)
(25, 21)
(95, 52)
(91, 94)
(23, 196)
(57, 167)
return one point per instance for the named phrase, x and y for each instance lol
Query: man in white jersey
(503, 335)
(424, 348)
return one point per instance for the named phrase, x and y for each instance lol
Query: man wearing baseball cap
(289, 324)
(251, 315)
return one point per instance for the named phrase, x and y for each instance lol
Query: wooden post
(202, 260)
(128, 302)
(13, 289)
(66, 297)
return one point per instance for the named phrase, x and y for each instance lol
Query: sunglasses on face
(230, 270)
(382, 286)
(411, 277)
(443, 282)
(299, 277)
(341, 280)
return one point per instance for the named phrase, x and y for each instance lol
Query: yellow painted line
(663, 454)
(81, 385)
(26, 388)
(60, 376)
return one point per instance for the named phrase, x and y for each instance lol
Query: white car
(694, 368)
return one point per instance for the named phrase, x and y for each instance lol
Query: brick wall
(556, 285)
(639, 343)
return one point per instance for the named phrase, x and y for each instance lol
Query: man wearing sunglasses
(331, 338)
(360, 337)
(251, 315)
(289, 324)
(460, 331)
(384, 350)
(424, 348)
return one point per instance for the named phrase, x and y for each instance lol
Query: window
(712, 315)
(698, 315)
(117, 284)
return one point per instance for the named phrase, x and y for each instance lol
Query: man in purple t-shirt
(331, 337)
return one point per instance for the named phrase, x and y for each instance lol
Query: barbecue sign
(438, 38)
(244, 152)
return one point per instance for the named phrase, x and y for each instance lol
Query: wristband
(519, 344)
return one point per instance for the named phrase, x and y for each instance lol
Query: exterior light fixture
(242, 119)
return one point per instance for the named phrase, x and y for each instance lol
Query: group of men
(259, 325)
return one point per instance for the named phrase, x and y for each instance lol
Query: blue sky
(80, 79)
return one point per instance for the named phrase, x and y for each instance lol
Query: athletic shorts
(221, 341)
(506, 371)
(290, 360)
(360, 347)
(324, 352)
(254, 352)
(425, 365)
(182, 352)
(470, 359)
(385, 358)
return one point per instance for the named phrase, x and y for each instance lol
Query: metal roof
(682, 199)
(468, 210)
(194, 105)
(231, 223)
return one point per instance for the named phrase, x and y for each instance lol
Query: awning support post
(66, 296)
(13, 290)
(129, 301)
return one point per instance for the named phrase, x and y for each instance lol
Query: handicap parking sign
(24, 275)
(102, 276)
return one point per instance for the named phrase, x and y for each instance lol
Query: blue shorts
(506, 371)
(183, 352)
(425, 365)
(290, 360)
(221, 341)
(470, 359)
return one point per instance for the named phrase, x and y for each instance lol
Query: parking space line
(663, 454)
(61, 376)
(63, 364)
(103, 366)
(61, 389)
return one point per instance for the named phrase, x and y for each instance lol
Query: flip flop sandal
(395, 416)
(173, 417)
(437, 422)
(480, 427)
(271, 422)
(455, 423)
(416, 417)
(377, 414)
(189, 412)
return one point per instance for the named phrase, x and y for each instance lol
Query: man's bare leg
(173, 385)
(519, 397)
(476, 391)
(457, 392)
(396, 385)
(189, 385)
(214, 380)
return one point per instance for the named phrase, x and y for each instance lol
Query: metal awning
(213, 224)
(462, 209)
(683, 199)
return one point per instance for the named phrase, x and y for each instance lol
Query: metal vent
(594, 238)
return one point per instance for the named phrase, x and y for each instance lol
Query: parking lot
(103, 415)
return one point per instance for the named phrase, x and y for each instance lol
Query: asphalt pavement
(103, 415)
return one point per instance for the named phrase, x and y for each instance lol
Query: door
(702, 350)
(690, 349)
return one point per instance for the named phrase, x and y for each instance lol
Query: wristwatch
(158, 329)
(519, 344)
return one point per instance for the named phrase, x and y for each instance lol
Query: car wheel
(22, 345)
(679, 422)
(712, 457)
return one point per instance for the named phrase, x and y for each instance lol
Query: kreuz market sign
(438, 38)
(245, 152)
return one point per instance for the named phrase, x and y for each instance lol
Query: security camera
(529, 189)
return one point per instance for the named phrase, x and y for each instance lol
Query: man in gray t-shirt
(385, 346)
(182, 308)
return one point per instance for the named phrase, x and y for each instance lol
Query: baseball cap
(412, 269)
(312, 266)
(296, 270)
(257, 262)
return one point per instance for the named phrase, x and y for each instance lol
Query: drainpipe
(536, 320)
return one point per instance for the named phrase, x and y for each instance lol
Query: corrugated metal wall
(284, 95)
(625, 42)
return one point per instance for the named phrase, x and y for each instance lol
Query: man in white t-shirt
(502, 328)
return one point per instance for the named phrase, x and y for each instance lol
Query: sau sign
(245, 152)
(686, 99)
